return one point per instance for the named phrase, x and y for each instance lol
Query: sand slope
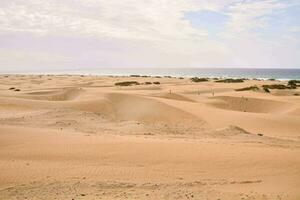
(254, 105)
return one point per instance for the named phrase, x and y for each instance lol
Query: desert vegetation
(230, 80)
(276, 86)
(294, 84)
(135, 75)
(253, 88)
(127, 83)
(197, 80)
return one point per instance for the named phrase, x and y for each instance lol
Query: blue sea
(280, 74)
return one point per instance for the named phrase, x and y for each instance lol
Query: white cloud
(248, 15)
(294, 29)
(130, 19)
(150, 32)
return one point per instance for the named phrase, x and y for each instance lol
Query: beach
(148, 137)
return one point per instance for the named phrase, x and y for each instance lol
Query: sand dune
(131, 107)
(127, 107)
(255, 105)
(173, 96)
(81, 137)
(53, 95)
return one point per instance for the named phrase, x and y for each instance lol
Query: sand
(82, 137)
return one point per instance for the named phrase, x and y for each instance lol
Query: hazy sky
(64, 34)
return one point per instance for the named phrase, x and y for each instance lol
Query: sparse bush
(266, 90)
(181, 78)
(248, 88)
(17, 90)
(293, 84)
(168, 76)
(148, 83)
(197, 80)
(156, 83)
(127, 83)
(12, 88)
(135, 75)
(230, 80)
(276, 86)
(157, 76)
(296, 94)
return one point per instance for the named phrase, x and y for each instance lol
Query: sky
(78, 34)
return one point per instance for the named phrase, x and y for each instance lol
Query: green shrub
(266, 90)
(134, 75)
(276, 86)
(230, 80)
(248, 88)
(293, 84)
(127, 83)
(197, 80)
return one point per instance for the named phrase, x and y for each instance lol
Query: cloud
(130, 19)
(20, 60)
(294, 29)
(141, 33)
(249, 15)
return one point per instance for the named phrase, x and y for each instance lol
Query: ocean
(280, 74)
